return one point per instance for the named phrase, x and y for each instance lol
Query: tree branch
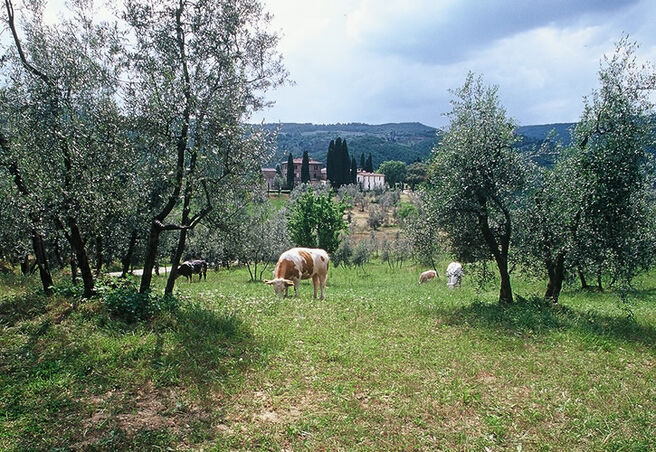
(12, 25)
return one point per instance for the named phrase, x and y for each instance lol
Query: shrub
(343, 254)
(124, 301)
(361, 254)
(376, 217)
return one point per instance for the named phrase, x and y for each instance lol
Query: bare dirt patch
(152, 409)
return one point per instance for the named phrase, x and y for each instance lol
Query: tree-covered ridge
(406, 141)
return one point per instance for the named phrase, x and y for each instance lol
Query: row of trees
(591, 213)
(341, 167)
(115, 132)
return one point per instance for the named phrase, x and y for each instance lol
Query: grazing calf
(300, 263)
(425, 276)
(189, 268)
(454, 272)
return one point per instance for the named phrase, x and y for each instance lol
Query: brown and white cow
(300, 263)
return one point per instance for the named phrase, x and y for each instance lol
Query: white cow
(454, 273)
(300, 263)
(425, 276)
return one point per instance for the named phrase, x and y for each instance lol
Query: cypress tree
(290, 172)
(330, 162)
(305, 168)
(354, 171)
(362, 161)
(346, 165)
(339, 164)
(370, 165)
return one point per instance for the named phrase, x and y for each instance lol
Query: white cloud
(374, 61)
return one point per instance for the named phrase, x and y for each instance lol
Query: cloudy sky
(380, 61)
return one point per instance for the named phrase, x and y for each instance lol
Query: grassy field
(383, 363)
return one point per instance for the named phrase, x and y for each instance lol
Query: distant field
(382, 364)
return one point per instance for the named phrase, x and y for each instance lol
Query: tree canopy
(395, 172)
(316, 220)
(476, 177)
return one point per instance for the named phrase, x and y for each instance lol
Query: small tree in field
(262, 238)
(394, 171)
(316, 220)
(395, 252)
(422, 231)
(344, 253)
(476, 177)
(376, 217)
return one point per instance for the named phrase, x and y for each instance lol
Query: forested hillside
(399, 141)
(406, 142)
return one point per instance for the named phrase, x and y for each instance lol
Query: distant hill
(531, 137)
(407, 142)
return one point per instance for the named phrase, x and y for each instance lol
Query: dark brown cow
(189, 268)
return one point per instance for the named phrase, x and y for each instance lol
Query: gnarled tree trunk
(556, 271)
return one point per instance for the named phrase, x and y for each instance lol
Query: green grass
(382, 363)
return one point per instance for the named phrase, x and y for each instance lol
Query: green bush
(124, 301)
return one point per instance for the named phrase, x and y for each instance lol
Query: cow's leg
(316, 282)
(322, 281)
(296, 283)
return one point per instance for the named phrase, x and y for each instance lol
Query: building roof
(299, 161)
(268, 170)
(365, 173)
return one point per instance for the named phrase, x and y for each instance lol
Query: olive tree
(199, 70)
(65, 144)
(475, 178)
(262, 237)
(611, 164)
(422, 231)
(595, 208)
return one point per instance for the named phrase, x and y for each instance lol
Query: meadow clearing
(382, 364)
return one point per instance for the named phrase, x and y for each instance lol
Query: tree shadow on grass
(207, 346)
(17, 308)
(537, 316)
(129, 386)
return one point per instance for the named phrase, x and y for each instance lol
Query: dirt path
(138, 272)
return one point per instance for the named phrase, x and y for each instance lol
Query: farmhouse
(316, 175)
(371, 181)
(269, 176)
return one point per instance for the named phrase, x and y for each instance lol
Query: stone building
(316, 175)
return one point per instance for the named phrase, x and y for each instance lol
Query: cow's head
(279, 285)
(453, 281)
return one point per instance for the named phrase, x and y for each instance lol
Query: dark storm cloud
(444, 35)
